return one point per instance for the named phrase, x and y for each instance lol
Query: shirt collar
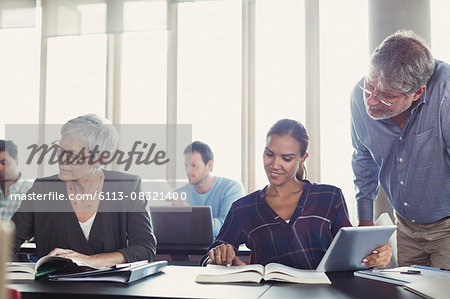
(262, 195)
(14, 187)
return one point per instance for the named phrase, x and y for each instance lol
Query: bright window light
(280, 70)
(343, 61)
(144, 78)
(440, 29)
(209, 79)
(75, 77)
(93, 17)
(19, 77)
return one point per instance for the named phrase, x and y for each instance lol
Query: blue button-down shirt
(412, 164)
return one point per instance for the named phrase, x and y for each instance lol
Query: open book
(256, 273)
(45, 266)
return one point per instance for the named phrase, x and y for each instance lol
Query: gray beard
(387, 114)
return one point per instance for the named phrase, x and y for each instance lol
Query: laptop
(351, 245)
(182, 227)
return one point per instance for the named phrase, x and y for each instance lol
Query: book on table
(45, 266)
(65, 269)
(256, 273)
(123, 274)
(436, 288)
(403, 275)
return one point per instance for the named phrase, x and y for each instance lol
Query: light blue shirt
(220, 197)
(8, 206)
(412, 164)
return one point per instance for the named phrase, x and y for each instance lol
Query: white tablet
(351, 245)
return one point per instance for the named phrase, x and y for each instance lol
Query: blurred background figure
(204, 189)
(10, 179)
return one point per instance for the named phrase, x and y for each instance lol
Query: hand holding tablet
(352, 245)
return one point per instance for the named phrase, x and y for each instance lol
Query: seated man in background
(205, 189)
(10, 179)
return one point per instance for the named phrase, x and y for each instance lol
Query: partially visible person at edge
(291, 221)
(400, 114)
(11, 180)
(98, 232)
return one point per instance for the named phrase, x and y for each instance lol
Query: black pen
(403, 272)
(430, 268)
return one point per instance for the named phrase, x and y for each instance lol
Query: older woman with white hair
(84, 225)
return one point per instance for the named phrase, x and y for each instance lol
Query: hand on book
(100, 260)
(224, 255)
(380, 257)
(68, 253)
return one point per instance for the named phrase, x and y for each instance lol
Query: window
(19, 77)
(76, 76)
(88, 41)
(209, 79)
(144, 78)
(440, 29)
(344, 46)
(280, 69)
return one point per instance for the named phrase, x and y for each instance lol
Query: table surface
(179, 282)
(173, 282)
(344, 285)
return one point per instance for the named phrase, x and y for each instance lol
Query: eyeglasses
(388, 102)
(68, 156)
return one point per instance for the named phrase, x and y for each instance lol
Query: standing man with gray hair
(400, 115)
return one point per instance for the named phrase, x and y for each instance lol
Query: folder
(437, 288)
(122, 274)
(403, 275)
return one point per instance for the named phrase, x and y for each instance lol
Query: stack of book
(63, 269)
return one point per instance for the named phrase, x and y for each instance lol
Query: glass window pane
(280, 70)
(69, 17)
(209, 79)
(340, 52)
(17, 13)
(144, 78)
(19, 77)
(144, 15)
(440, 29)
(75, 77)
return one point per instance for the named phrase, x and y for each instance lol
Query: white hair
(93, 130)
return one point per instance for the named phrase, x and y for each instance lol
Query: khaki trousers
(423, 244)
